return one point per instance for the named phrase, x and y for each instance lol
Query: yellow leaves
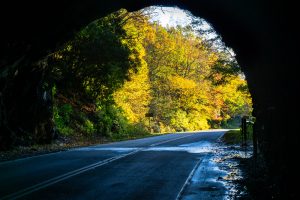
(217, 76)
(150, 36)
(232, 101)
(212, 58)
(69, 47)
(57, 56)
(134, 97)
(180, 94)
(178, 82)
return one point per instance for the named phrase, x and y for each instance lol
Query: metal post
(255, 141)
(244, 130)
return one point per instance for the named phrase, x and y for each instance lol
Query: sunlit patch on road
(191, 166)
(195, 147)
(186, 149)
(116, 149)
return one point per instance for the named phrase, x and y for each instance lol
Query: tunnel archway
(253, 28)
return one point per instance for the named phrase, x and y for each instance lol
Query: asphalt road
(150, 168)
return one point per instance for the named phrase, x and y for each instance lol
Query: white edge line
(62, 177)
(179, 195)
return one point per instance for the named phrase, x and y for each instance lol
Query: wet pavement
(175, 166)
(218, 175)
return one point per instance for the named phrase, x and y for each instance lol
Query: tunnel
(260, 31)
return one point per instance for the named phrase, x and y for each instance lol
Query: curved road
(150, 168)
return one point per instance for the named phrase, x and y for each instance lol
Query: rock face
(26, 116)
(260, 32)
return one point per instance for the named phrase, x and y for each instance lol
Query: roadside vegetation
(125, 77)
(235, 137)
(232, 137)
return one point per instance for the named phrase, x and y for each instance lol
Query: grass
(232, 137)
(235, 136)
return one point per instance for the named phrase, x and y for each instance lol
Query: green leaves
(127, 67)
(192, 83)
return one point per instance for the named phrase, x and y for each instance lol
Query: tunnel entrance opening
(157, 70)
(255, 30)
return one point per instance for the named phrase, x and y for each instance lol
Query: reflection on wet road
(173, 166)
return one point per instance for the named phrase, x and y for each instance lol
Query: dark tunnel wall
(260, 31)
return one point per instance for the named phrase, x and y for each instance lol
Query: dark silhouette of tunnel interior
(260, 31)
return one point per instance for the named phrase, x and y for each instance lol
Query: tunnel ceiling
(261, 32)
(36, 28)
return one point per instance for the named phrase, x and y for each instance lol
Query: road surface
(151, 168)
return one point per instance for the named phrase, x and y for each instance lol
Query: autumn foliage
(141, 77)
